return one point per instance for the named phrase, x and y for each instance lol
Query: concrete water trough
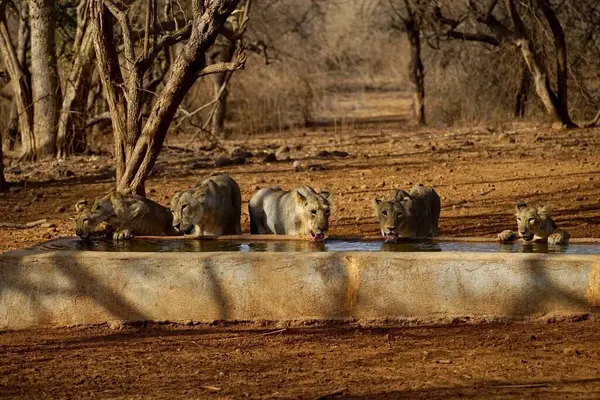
(70, 282)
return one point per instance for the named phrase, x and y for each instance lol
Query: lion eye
(398, 215)
(518, 219)
(384, 213)
(531, 220)
(85, 220)
(183, 207)
(313, 212)
(327, 212)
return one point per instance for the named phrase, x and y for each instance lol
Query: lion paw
(122, 234)
(558, 238)
(506, 236)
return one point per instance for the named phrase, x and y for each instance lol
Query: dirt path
(540, 360)
(479, 175)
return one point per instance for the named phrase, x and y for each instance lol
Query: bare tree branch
(237, 64)
(123, 19)
(467, 36)
(143, 63)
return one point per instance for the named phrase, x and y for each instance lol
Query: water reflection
(411, 246)
(307, 246)
(290, 245)
(544, 248)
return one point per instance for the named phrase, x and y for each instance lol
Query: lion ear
(212, 186)
(543, 209)
(399, 195)
(326, 193)
(406, 202)
(521, 205)
(175, 198)
(378, 201)
(300, 198)
(80, 205)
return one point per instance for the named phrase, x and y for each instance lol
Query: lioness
(212, 208)
(124, 215)
(300, 211)
(535, 225)
(85, 228)
(408, 215)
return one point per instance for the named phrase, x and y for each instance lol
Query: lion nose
(522, 232)
(391, 228)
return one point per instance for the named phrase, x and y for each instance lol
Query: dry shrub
(324, 53)
(469, 83)
(269, 97)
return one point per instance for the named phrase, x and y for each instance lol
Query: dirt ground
(479, 173)
(492, 361)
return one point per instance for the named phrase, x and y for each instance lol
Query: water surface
(306, 246)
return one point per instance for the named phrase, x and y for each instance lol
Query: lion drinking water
(123, 215)
(408, 215)
(212, 208)
(300, 211)
(535, 225)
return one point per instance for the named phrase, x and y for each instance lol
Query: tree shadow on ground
(588, 388)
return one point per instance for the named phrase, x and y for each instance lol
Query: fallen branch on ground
(22, 226)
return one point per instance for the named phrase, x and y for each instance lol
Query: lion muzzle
(527, 236)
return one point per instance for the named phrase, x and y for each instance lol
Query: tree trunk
(75, 96)
(137, 148)
(44, 77)
(23, 38)
(416, 73)
(554, 104)
(183, 75)
(23, 42)
(12, 132)
(16, 67)
(522, 92)
(560, 46)
(111, 78)
(542, 85)
(2, 180)
(224, 53)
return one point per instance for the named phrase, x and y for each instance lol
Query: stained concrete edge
(64, 288)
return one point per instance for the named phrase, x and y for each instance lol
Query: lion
(84, 227)
(535, 225)
(301, 211)
(212, 208)
(123, 215)
(408, 215)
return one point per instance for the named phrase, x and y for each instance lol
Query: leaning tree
(504, 22)
(123, 70)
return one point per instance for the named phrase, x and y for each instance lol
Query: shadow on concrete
(332, 283)
(543, 290)
(218, 294)
(76, 280)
